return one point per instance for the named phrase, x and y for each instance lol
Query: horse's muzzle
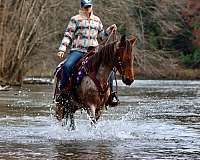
(127, 81)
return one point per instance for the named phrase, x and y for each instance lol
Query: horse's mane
(104, 56)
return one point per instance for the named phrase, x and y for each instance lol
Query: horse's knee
(93, 110)
(72, 124)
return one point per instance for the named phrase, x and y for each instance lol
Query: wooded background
(168, 33)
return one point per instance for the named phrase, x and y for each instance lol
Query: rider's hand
(113, 27)
(61, 54)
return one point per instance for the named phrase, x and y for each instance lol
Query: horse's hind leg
(72, 122)
(66, 117)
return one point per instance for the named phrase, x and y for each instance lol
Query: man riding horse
(81, 33)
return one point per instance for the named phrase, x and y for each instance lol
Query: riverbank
(175, 74)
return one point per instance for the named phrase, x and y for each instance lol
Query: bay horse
(93, 91)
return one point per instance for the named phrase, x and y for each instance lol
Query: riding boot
(113, 100)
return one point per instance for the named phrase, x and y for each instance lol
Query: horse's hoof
(72, 129)
(58, 118)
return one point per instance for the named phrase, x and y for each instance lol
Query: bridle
(118, 59)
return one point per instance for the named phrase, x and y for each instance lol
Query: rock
(4, 88)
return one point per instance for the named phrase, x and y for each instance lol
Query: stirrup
(113, 100)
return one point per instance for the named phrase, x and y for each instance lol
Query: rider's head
(86, 5)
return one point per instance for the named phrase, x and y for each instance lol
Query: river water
(155, 120)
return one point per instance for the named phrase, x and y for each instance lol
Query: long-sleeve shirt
(82, 32)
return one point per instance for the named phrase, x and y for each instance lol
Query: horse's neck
(103, 64)
(103, 73)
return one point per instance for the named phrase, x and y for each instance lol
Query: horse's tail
(55, 87)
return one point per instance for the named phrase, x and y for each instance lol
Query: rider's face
(87, 9)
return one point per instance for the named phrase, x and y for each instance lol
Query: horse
(93, 91)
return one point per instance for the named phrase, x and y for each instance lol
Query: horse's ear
(123, 39)
(133, 40)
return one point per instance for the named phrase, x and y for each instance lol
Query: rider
(81, 33)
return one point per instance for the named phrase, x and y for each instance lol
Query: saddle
(78, 72)
(81, 68)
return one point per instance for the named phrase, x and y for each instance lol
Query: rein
(104, 89)
(103, 43)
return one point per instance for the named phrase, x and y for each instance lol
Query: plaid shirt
(82, 32)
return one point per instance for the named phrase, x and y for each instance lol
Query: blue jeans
(69, 63)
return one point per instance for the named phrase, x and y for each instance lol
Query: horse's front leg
(91, 112)
(98, 114)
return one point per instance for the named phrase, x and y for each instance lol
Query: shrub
(191, 60)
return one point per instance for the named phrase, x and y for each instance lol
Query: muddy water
(155, 120)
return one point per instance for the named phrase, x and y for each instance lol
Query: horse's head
(124, 59)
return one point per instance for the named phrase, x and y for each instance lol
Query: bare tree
(23, 26)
